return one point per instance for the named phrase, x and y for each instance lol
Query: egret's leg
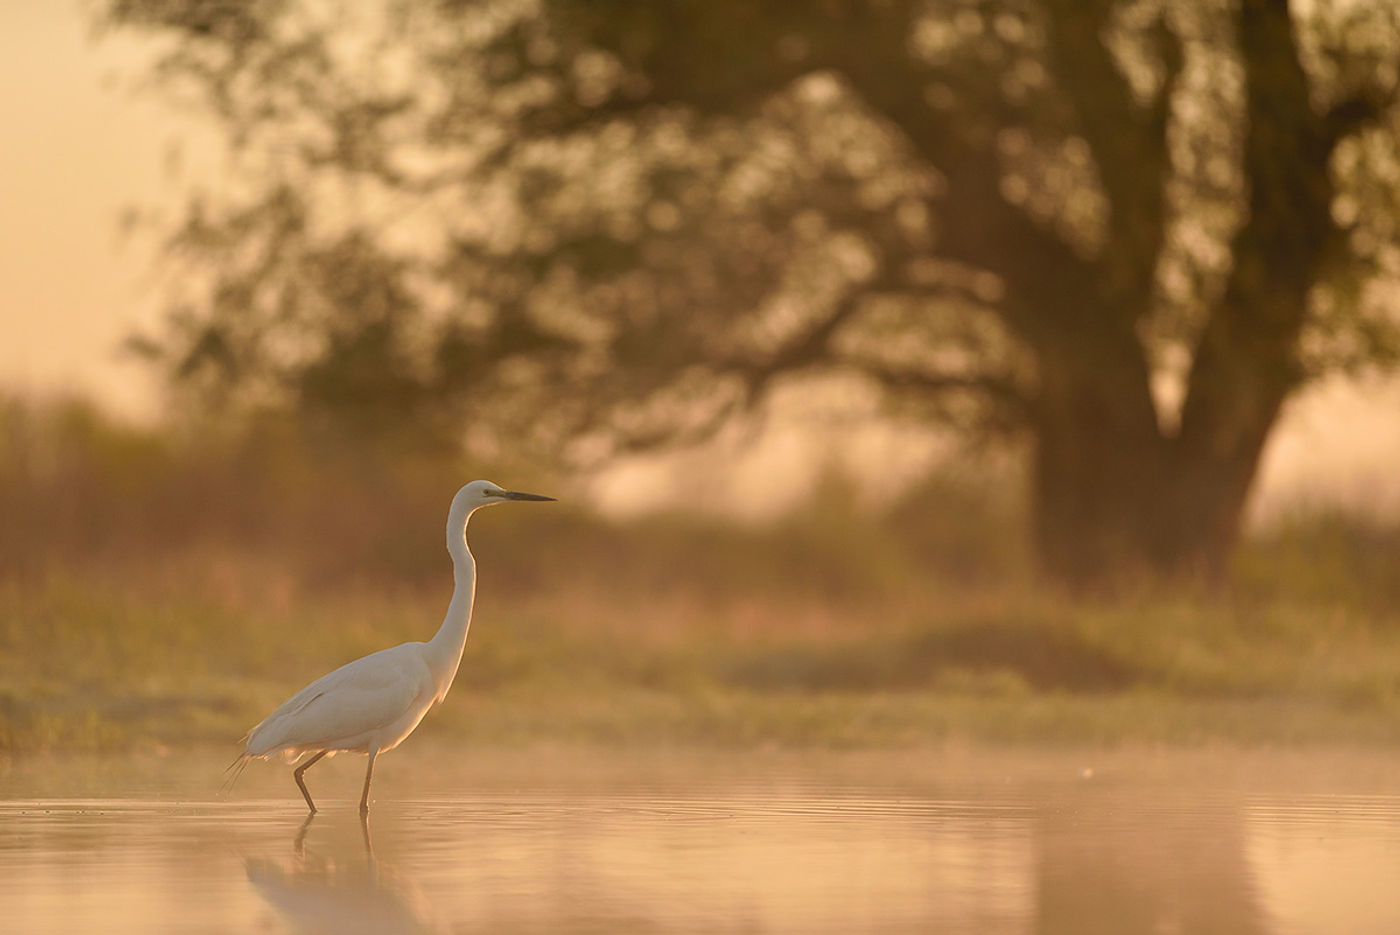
(369, 774)
(296, 774)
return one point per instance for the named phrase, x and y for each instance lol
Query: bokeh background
(908, 372)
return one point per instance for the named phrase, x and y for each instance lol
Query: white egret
(372, 704)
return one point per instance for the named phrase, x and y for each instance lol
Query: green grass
(158, 592)
(91, 665)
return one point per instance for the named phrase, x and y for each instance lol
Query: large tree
(1128, 230)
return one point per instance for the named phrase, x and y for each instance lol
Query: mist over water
(823, 842)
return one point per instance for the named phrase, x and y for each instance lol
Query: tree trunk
(1116, 502)
(1100, 463)
(1114, 495)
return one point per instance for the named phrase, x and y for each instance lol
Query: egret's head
(481, 493)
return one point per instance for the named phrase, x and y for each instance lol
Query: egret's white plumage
(370, 705)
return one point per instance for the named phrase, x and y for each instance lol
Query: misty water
(1295, 842)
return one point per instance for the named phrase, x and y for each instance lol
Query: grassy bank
(104, 665)
(156, 594)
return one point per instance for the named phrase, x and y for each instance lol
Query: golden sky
(77, 150)
(81, 145)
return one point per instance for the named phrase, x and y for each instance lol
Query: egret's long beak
(517, 495)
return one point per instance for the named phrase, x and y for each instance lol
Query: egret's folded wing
(360, 696)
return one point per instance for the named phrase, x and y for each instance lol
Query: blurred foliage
(578, 227)
(81, 492)
(159, 591)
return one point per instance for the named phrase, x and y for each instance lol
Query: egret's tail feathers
(233, 771)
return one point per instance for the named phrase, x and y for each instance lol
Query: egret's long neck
(445, 648)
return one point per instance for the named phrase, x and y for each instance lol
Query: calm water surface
(1166, 843)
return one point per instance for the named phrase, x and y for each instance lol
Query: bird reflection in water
(318, 892)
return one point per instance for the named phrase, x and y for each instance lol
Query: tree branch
(1246, 360)
(1128, 141)
(1000, 390)
(815, 348)
(810, 349)
(1355, 113)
